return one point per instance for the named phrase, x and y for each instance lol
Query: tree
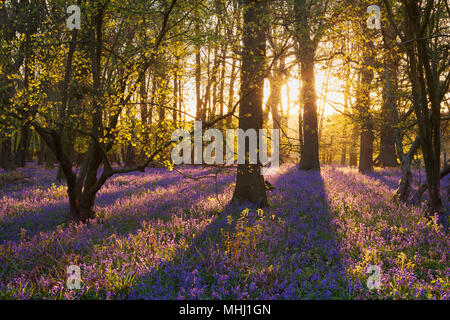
(363, 106)
(17, 21)
(307, 46)
(116, 66)
(363, 101)
(249, 181)
(387, 156)
(421, 32)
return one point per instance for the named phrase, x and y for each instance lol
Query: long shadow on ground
(293, 255)
(46, 216)
(47, 249)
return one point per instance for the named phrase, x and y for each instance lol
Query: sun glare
(330, 97)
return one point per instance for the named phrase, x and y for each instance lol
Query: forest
(224, 149)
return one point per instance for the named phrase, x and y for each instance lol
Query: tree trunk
(347, 105)
(214, 82)
(300, 120)
(25, 132)
(222, 84)
(353, 148)
(198, 79)
(363, 107)
(130, 157)
(388, 156)
(24, 143)
(404, 188)
(250, 185)
(144, 114)
(274, 100)
(41, 152)
(175, 98)
(418, 194)
(366, 147)
(425, 92)
(6, 158)
(229, 120)
(310, 158)
(344, 146)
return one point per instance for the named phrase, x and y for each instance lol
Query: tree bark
(404, 188)
(175, 98)
(353, 147)
(250, 185)
(419, 193)
(24, 143)
(6, 157)
(25, 132)
(363, 108)
(229, 120)
(425, 90)
(300, 118)
(307, 48)
(388, 156)
(222, 84)
(274, 100)
(198, 79)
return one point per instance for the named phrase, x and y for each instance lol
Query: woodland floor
(162, 235)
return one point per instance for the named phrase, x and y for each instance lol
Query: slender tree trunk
(274, 103)
(207, 97)
(404, 188)
(162, 107)
(180, 98)
(344, 152)
(24, 143)
(300, 119)
(274, 100)
(144, 113)
(418, 194)
(41, 152)
(214, 77)
(222, 84)
(363, 106)
(25, 132)
(322, 105)
(175, 98)
(347, 102)
(198, 79)
(130, 158)
(231, 92)
(353, 148)
(6, 158)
